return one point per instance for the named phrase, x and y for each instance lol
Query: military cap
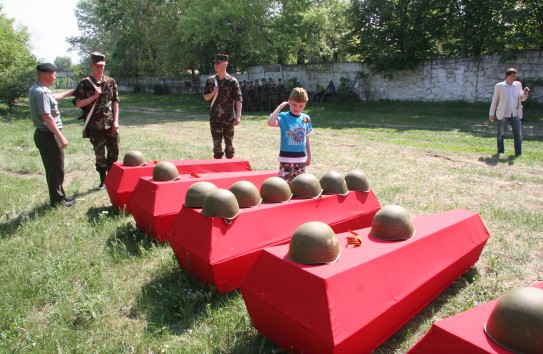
(263, 79)
(219, 58)
(298, 94)
(46, 67)
(98, 58)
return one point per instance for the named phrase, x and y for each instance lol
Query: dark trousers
(100, 140)
(516, 125)
(220, 130)
(53, 161)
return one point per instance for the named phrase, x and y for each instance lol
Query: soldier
(257, 96)
(265, 94)
(223, 91)
(98, 97)
(273, 93)
(243, 88)
(248, 98)
(281, 91)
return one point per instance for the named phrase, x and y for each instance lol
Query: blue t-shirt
(294, 130)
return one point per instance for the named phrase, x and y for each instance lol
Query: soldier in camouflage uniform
(273, 92)
(281, 91)
(223, 91)
(265, 94)
(248, 97)
(103, 125)
(257, 97)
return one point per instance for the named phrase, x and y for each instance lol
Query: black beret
(46, 67)
(219, 58)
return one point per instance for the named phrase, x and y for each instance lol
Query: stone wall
(454, 79)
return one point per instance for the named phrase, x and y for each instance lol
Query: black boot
(102, 185)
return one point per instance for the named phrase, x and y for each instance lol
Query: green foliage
(63, 63)
(15, 83)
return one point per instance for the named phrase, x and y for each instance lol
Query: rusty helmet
(194, 198)
(357, 181)
(516, 322)
(246, 193)
(275, 190)
(305, 186)
(333, 182)
(314, 242)
(165, 171)
(222, 203)
(392, 223)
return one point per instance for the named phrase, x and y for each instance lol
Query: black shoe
(101, 187)
(69, 199)
(65, 202)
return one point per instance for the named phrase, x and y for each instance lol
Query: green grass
(85, 279)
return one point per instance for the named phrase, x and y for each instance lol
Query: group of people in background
(264, 96)
(97, 96)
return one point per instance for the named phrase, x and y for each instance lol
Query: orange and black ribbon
(354, 241)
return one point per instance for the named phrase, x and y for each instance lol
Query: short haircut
(510, 71)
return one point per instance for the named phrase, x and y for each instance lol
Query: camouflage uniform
(273, 94)
(100, 126)
(248, 97)
(222, 115)
(265, 94)
(281, 92)
(257, 97)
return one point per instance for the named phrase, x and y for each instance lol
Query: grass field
(85, 280)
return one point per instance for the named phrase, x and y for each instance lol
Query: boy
(295, 149)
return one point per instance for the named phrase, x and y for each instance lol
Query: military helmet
(314, 242)
(357, 181)
(516, 322)
(275, 190)
(133, 158)
(221, 203)
(334, 183)
(305, 186)
(194, 198)
(246, 193)
(392, 223)
(165, 171)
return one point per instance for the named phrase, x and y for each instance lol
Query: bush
(14, 84)
(137, 89)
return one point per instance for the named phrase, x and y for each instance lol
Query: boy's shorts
(288, 170)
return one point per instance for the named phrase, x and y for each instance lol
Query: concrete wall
(454, 79)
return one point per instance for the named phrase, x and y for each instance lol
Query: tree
(16, 61)
(397, 34)
(63, 63)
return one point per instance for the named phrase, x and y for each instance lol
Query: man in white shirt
(506, 106)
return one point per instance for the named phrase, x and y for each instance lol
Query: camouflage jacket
(229, 91)
(102, 116)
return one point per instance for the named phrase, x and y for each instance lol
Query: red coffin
(355, 304)
(155, 204)
(121, 180)
(462, 333)
(222, 254)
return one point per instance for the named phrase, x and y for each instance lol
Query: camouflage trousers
(288, 171)
(220, 130)
(102, 140)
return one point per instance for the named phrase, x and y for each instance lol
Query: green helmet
(357, 181)
(305, 186)
(334, 183)
(516, 322)
(314, 242)
(392, 223)
(246, 193)
(275, 190)
(134, 158)
(194, 198)
(165, 171)
(221, 203)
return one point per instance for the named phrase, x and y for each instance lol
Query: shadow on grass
(128, 241)
(392, 345)
(174, 302)
(495, 160)
(8, 228)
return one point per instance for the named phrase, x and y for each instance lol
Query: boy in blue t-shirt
(295, 150)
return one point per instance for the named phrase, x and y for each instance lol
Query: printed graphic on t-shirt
(296, 135)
